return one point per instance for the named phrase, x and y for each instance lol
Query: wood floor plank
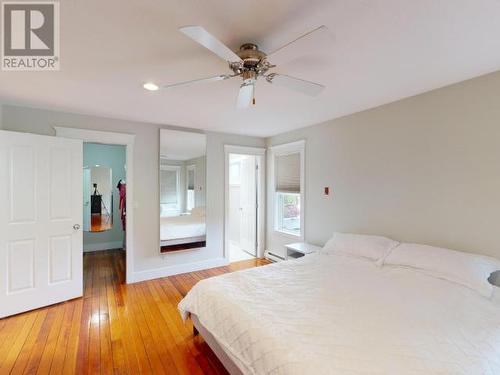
(25, 352)
(51, 343)
(118, 348)
(114, 329)
(41, 340)
(71, 350)
(106, 354)
(7, 362)
(62, 340)
(145, 334)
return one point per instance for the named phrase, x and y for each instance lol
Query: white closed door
(41, 259)
(248, 205)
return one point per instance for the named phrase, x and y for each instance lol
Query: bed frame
(224, 357)
(180, 241)
(179, 244)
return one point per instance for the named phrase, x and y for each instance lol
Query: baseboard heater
(274, 257)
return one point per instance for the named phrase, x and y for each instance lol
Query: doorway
(244, 203)
(126, 222)
(104, 194)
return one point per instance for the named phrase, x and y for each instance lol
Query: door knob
(76, 226)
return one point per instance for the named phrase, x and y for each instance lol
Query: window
(288, 213)
(288, 198)
(169, 190)
(190, 196)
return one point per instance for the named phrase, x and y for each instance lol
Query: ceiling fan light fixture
(150, 86)
(249, 64)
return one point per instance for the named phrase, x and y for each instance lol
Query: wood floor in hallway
(114, 328)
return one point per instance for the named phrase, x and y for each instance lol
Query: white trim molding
(102, 246)
(288, 148)
(244, 150)
(279, 150)
(177, 269)
(128, 140)
(260, 153)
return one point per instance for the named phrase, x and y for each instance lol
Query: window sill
(288, 235)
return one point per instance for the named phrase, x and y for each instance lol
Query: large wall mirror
(182, 190)
(97, 198)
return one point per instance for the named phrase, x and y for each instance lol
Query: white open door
(41, 257)
(248, 205)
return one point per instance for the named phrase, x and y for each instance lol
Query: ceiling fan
(250, 63)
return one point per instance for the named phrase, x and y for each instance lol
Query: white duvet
(184, 226)
(331, 314)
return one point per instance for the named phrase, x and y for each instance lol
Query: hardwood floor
(114, 328)
(100, 223)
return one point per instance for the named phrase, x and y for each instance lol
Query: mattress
(332, 314)
(184, 226)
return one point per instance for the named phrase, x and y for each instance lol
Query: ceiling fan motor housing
(254, 61)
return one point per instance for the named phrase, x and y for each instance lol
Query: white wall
(425, 169)
(147, 260)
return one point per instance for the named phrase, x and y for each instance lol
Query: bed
(335, 314)
(189, 228)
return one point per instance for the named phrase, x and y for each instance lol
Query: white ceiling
(179, 145)
(381, 51)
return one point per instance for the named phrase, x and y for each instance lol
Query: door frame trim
(128, 140)
(260, 154)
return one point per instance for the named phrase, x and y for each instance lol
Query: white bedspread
(183, 226)
(330, 314)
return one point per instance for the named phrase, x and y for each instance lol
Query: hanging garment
(122, 188)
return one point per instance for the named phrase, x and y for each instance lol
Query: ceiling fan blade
(220, 77)
(304, 44)
(207, 40)
(297, 84)
(245, 96)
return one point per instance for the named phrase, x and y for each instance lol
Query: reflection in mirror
(182, 190)
(98, 198)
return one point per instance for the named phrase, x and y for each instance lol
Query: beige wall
(424, 169)
(147, 260)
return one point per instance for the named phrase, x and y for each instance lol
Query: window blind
(168, 187)
(288, 173)
(190, 179)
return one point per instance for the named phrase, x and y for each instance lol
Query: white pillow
(359, 245)
(467, 269)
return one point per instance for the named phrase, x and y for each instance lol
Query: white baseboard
(177, 269)
(102, 246)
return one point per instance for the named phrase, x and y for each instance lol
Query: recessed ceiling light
(150, 86)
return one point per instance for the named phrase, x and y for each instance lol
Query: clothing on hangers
(122, 188)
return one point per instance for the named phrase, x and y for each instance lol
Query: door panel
(22, 184)
(60, 183)
(248, 205)
(21, 266)
(60, 249)
(40, 252)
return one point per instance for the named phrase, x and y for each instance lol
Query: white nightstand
(299, 249)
